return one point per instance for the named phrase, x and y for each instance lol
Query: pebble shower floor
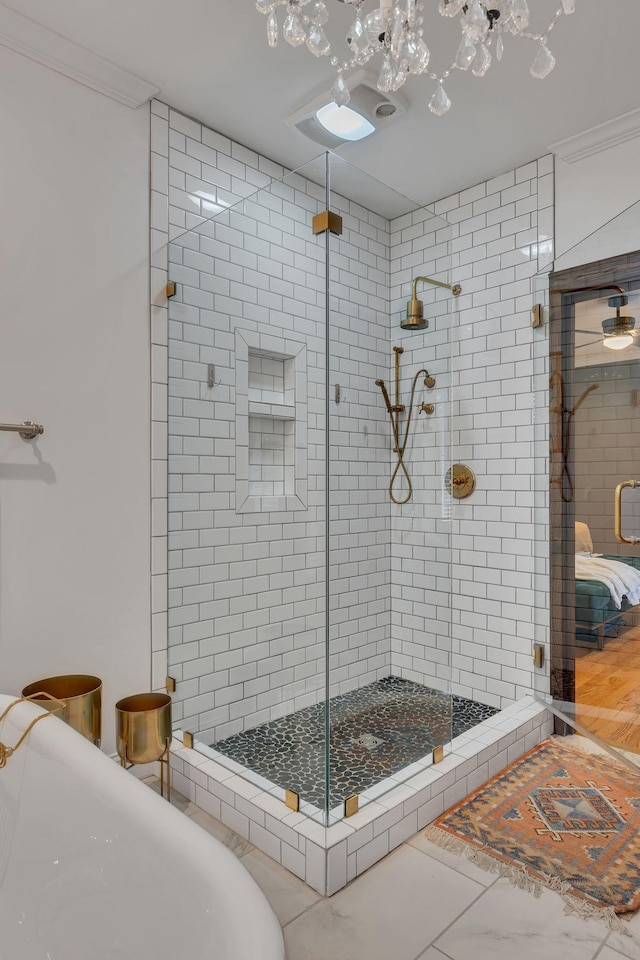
(374, 732)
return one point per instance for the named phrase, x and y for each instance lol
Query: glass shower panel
(247, 503)
(389, 559)
(594, 500)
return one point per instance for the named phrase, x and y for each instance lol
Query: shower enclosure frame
(310, 195)
(567, 287)
(324, 857)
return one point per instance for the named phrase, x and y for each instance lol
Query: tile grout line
(426, 854)
(460, 915)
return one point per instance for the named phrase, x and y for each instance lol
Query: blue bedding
(596, 614)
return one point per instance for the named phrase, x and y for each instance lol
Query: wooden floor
(608, 691)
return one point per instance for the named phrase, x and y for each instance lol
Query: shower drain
(367, 740)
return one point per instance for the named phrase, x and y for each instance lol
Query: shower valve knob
(427, 408)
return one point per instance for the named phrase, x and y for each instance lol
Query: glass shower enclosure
(309, 508)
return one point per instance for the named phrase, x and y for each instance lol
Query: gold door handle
(618, 512)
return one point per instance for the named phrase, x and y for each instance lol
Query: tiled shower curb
(327, 858)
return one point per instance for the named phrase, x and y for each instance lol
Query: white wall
(74, 355)
(588, 194)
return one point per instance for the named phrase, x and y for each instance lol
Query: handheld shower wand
(381, 384)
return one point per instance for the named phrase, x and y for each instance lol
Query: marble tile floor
(421, 903)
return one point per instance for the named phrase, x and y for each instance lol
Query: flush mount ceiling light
(395, 31)
(343, 122)
(331, 124)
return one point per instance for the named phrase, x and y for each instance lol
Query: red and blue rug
(556, 818)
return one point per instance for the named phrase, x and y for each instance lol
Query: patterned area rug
(557, 818)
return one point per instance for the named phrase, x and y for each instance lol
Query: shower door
(594, 407)
(389, 558)
(247, 476)
(310, 548)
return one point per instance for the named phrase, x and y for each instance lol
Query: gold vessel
(82, 696)
(143, 732)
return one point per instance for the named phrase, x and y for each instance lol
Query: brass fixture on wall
(460, 481)
(414, 319)
(394, 412)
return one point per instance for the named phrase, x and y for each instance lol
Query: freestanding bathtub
(95, 866)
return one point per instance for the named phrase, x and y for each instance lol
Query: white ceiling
(210, 59)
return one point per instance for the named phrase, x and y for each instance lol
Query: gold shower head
(414, 319)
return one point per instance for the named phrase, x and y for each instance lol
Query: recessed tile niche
(271, 423)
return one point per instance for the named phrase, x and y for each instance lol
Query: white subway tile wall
(246, 589)
(436, 591)
(470, 617)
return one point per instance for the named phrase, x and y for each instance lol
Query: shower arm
(455, 288)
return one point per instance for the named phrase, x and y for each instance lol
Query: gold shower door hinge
(327, 221)
(292, 800)
(351, 805)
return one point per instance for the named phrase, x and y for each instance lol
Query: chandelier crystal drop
(395, 33)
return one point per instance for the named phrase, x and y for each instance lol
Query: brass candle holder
(143, 733)
(82, 697)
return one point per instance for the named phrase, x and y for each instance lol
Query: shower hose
(400, 449)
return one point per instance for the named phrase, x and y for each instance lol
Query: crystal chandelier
(395, 32)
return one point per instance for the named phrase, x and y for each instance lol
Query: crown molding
(596, 139)
(52, 50)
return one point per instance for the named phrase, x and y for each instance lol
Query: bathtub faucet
(6, 752)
